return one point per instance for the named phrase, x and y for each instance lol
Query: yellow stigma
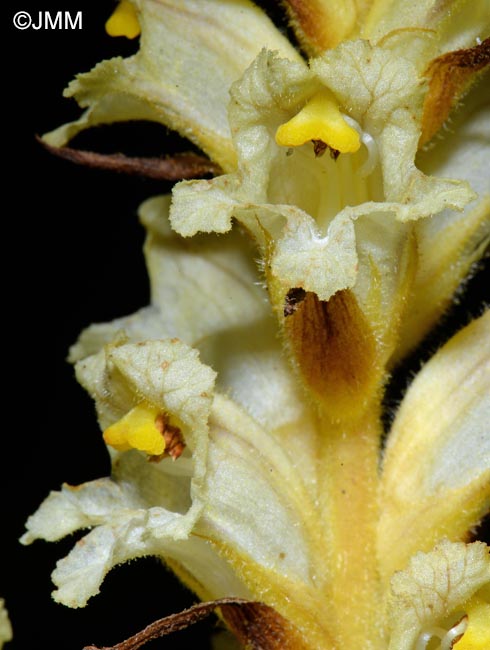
(124, 21)
(477, 634)
(322, 120)
(138, 429)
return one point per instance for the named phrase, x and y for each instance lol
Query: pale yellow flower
(255, 390)
(5, 626)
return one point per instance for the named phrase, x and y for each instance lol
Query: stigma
(141, 428)
(320, 120)
(123, 21)
(477, 633)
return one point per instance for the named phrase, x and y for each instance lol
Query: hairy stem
(350, 457)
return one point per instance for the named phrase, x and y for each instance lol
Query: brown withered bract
(449, 78)
(172, 168)
(257, 625)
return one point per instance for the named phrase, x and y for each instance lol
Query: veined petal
(208, 292)
(191, 512)
(455, 23)
(324, 226)
(276, 495)
(450, 242)
(167, 375)
(199, 289)
(433, 590)
(267, 492)
(436, 469)
(384, 93)
(145, 508)
(138, 512)
(189, 97)
(261, 517)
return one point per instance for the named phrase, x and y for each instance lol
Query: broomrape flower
(242, 407)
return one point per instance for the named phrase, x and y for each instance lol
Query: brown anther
(319, 147)
(160, 422)
(174, 440)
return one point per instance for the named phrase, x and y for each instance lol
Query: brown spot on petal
(335, 351)
(256, 625)
(293, 298)
(450, 75)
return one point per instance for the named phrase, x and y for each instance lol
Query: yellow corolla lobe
(477, 634)
(123, 21)
(141, 428)
(319, 119)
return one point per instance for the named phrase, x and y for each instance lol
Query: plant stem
(350, 457)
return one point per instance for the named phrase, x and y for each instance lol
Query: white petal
(450, 242)
(436, 470)
(256, 503)
(208, 292)
(456, 24)
(188, 96)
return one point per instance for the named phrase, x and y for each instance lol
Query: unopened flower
(242, 407)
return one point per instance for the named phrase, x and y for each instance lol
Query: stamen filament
(454, 633)
(427, 635)
(447, 637)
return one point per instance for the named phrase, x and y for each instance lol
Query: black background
(72, 256)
